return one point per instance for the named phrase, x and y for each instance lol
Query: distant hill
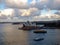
(54, 23)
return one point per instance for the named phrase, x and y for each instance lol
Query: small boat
(40, 31)
(38, 39)
(29, 26)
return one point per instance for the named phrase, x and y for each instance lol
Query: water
(11, 35)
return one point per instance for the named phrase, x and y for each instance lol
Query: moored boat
(40, 31)
(38, 39)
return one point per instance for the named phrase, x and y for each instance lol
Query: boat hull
(40, 31)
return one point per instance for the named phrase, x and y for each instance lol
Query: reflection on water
(10, 35)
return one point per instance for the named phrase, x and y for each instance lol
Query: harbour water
(11, 35)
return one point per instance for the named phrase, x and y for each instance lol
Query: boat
(29, 26)
(38, 39)
(40, 31)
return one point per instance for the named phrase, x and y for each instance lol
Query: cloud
(25, 4)
(19, 14)
(17, 3)
(58, 12)
(0, 1)
(47, 17)
(7, 13)
(51, 4)
(33, 2)
(15, 19)
(3, 17)
(29, 12)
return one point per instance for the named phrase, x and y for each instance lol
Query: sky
(32, 10)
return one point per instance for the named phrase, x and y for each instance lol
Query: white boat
(38, 39)
(28, 26)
